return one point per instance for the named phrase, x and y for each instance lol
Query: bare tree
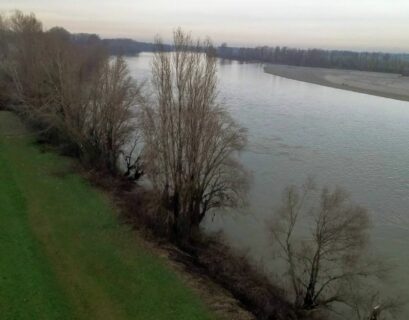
(24, 51)
(133, 159)
(4, 48)
(329, 255)
(94, 112)
(115, 97)
(4, 30)
(368, 303)
(190, 140)
(75, 94)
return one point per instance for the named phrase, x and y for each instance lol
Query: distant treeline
(365, 61)
(119, 46)
(336, 59)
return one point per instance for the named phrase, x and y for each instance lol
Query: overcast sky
(348, 24)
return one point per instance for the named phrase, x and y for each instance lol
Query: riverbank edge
(225, 279)
(288, 72)
(218, 300)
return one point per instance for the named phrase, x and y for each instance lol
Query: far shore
(386, 85)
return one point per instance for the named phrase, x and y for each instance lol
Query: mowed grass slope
(63, 253)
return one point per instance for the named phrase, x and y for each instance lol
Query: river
(297, 129)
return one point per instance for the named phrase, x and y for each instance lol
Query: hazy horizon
(365, 25)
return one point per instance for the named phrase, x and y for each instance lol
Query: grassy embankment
(63, 253)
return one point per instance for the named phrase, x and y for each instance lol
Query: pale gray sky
(349, 24)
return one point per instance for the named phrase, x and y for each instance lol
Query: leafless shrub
(15, 35)
(74, 94)
(189, 138)
(25, 50)
(111, 123)
(4, 83)
(4, 41)
(250, 285)
(328, 262)
(369, 303)
(133, 161)
(209, 256)
(328, 266)
(139, 207)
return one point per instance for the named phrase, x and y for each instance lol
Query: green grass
(63, 253)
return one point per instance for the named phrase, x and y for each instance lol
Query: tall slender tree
(190, 139)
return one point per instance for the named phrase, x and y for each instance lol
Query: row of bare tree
(74, 94)
(79, 97)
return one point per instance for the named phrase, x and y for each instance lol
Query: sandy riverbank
(386, 85)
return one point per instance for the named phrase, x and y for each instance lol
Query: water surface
(296, 129)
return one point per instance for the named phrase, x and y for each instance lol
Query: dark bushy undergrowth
(210, 256)
(247, 284)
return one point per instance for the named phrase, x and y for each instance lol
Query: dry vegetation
(190, 139)
(74, 95)
(328, 268)
(82, 101)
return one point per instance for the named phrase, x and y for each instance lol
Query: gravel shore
(386, 85)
